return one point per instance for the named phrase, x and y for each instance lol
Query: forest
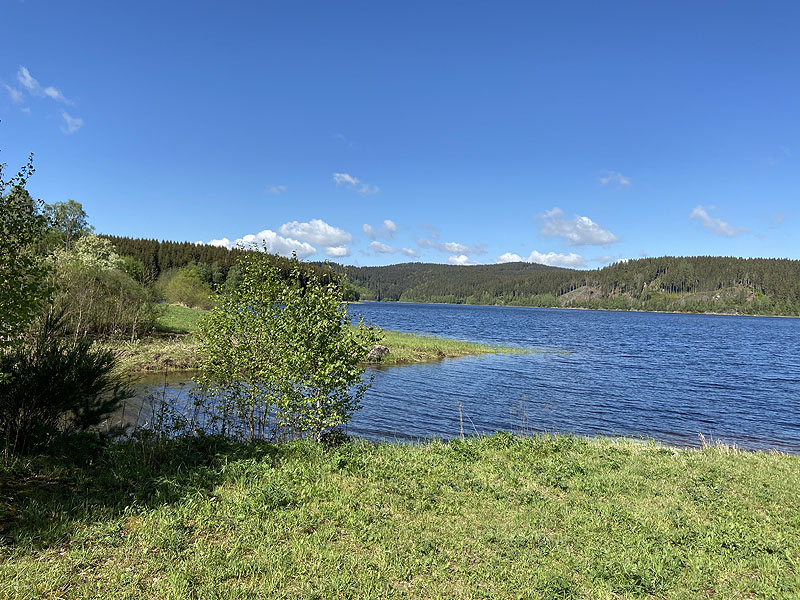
(681, 284)
(755, 286)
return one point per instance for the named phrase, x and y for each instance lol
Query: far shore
(621, 310)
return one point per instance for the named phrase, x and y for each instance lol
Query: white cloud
(269, 241)
(386, 232)
(337, 251)
(55, 94)
(27, 81)
(615, 177)
(409, 252)
(714, 225)
(580, 231)
(450, 247)
(551, 259)
(461, 260)
(382, 248)
(344, 179)
(509, 257)
(71, 124)
(355, 183)
(15, 95)
(316, 231)
(277, 189)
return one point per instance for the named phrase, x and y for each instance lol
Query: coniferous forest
(684, 284)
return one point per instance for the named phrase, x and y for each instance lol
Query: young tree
(282, 351)
(23, 288)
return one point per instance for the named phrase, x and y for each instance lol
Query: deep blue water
(668, 377)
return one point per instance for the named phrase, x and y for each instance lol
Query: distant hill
(683, 284)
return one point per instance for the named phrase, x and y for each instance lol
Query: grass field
(497, 517)
(174, 349)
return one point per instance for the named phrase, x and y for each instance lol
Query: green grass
(175, 349)
(497, 517)
(178, 319)
(405, 348)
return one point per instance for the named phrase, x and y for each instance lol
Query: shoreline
(178, 352)
(620, 310)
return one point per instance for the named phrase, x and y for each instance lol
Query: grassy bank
(498, 517)
(174, 349)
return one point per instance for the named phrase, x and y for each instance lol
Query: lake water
(669, 377)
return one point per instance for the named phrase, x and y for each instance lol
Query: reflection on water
(662, 376)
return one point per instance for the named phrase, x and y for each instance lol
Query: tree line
(689, 284)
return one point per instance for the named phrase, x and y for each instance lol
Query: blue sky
(570, 133)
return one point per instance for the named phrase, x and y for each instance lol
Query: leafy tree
(68, 222)
(95, 293)
(23, 286)
(280, 352)
(187, 287)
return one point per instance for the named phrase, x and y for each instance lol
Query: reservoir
(667, 377)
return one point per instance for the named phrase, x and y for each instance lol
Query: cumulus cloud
(277, 189)
(409, 252)
(615, 177)
(386, 231)
(461, 260)
(15, 95)
(450, 247)
(269, 241)
(578, 231)
(713, 224)
(337, 251)
(381, 248)
(551, 259)
(71, 124)
(355, 183)
(317, 231)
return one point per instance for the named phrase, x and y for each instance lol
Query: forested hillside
(692, 284)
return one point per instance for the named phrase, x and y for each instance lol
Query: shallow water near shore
(669, 377)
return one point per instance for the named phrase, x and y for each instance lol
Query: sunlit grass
(177, 349)
(498, 517)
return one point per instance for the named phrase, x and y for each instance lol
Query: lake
(668, 377)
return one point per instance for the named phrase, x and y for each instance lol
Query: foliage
(281, 353)
(498, 517)
(56, 386)
(67, 222)
(186, 287)
(216, 265)
(684, 284)
(95, 294)
(23, 285)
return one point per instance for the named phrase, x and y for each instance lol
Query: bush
(55, 387)
(186, 287)
(279, 351)
(96, 295)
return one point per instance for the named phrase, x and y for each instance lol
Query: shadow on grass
(44, 499)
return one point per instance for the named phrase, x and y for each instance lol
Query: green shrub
(186, 287)
(56, 386)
